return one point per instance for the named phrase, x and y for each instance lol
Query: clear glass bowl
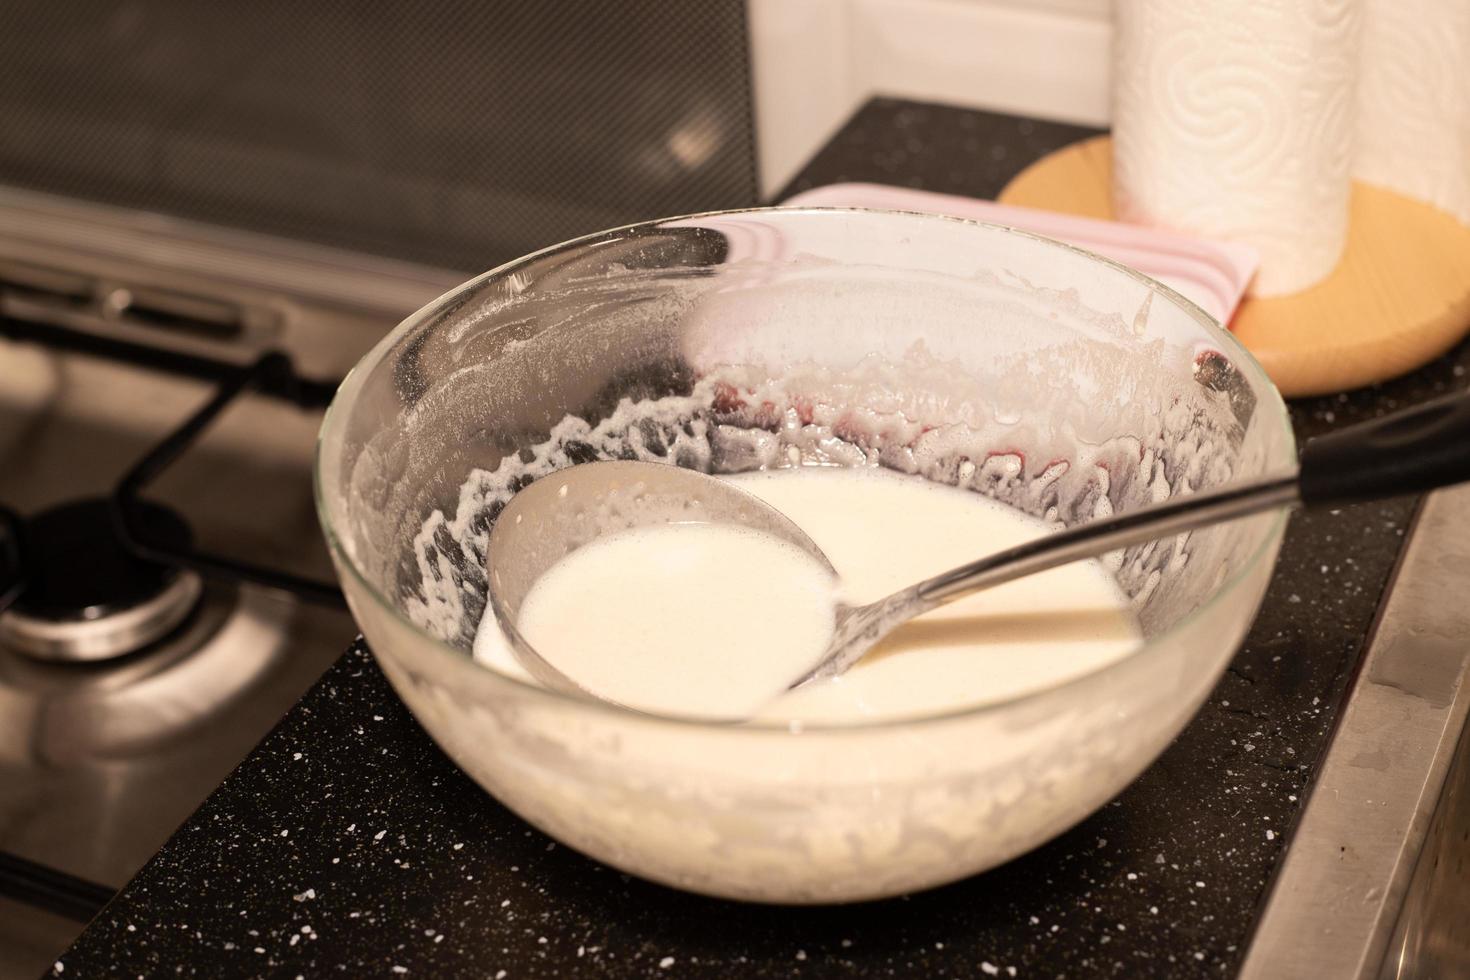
(1044, 376)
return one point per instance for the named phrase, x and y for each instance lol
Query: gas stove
(166, 595)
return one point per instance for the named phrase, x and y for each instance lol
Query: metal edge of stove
(348, 280)
(1350, 867)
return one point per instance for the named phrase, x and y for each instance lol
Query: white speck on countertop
(296, 756)
(380, 835)
(505, 903)
(303, 896)
(1199, 884)
(666, 962)
(400, 969)
(499, 975)
(989, 968)
(1270, 835)
(459, 847)
(285, 832)
(377, 717)
(801, 954)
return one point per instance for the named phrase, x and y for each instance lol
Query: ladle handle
(1416, 449)
(1109, 534)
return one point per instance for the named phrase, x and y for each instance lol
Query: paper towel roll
(1235, 120)
(1414, 100)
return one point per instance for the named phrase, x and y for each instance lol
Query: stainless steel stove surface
(130, 686)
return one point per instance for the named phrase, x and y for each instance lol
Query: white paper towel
(1414, 100)
(1235, 119)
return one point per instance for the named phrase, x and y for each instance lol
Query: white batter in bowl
(717, 620)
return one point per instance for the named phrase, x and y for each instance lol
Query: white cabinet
(816, 61)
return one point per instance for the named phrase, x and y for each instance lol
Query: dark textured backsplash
(457, 132)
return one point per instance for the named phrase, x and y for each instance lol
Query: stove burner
(87, 597)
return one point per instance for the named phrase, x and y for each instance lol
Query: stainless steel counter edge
(1337, 898)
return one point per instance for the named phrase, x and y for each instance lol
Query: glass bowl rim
(1268, 397)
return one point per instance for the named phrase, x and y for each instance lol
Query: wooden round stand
(1399, 297)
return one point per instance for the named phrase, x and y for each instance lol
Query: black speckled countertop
(347, 844)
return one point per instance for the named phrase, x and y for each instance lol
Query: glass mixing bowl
(1046, 377)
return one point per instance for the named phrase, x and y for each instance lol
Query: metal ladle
(1410, 451)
